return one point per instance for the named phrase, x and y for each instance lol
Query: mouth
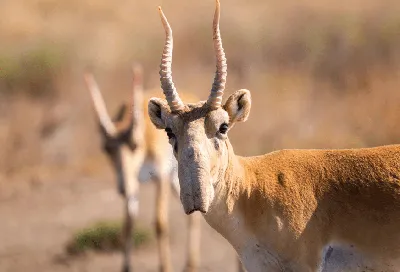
(196, 210)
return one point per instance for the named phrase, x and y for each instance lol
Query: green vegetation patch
(104, 236)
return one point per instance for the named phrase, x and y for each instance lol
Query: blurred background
(323, 74)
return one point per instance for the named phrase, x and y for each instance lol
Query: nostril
(190, 212)
(190, 152)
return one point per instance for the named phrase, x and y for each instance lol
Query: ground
(37, 222)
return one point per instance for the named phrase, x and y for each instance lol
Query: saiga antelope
(139, 152)
(280, 210)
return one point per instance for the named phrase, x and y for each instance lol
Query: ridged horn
(218, 87)
(170, 92)
(99, 105)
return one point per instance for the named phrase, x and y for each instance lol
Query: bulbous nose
(194, 178)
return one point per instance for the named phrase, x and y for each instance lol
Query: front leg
(131, 210)
(162, 196)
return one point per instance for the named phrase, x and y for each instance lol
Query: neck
(230, 186)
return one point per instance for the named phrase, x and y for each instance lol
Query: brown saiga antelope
(280, 210)
(139, 152)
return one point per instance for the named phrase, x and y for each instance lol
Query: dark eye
(223, 128)
(169, 133)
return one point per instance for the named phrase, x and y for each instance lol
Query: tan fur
(321, 196)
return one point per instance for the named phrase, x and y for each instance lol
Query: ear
(158, 110)
(238, 106)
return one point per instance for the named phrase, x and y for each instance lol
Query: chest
(254, 256)
(257, 258)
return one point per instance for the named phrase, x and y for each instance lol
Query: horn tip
(137, 68)
(161, 13)
(87, 72)
(88, 76)
(137, 71)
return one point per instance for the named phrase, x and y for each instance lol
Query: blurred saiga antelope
(280, 210)
(139, 152)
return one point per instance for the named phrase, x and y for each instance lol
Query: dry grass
(323, 74)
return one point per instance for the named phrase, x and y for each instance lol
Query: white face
(198, 136)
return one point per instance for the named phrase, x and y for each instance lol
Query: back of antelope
(138, 152)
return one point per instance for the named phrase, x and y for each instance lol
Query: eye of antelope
(223, 128)
(169, 133)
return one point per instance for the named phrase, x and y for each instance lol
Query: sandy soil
(37, 223)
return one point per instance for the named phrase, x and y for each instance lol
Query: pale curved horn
(172, 96)
(99, 105)
(218, 87)
(137, 73)
(137, 92)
